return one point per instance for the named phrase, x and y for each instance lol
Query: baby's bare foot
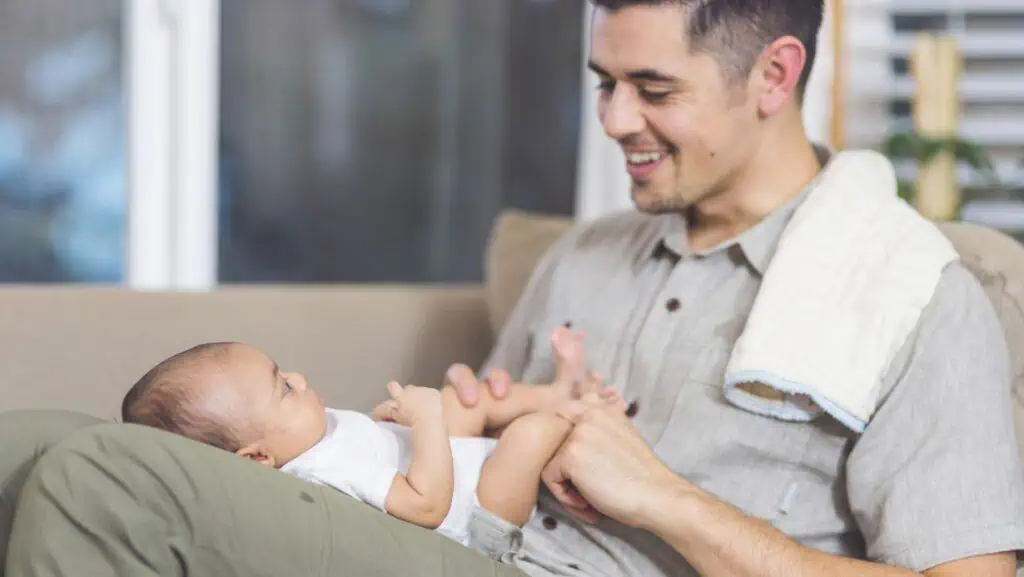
(570, 361)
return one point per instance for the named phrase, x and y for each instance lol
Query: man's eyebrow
(643, 74)
(651, 75)
(597, 69)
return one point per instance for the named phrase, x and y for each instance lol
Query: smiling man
(704, 97)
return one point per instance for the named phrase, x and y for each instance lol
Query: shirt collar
(757, 244)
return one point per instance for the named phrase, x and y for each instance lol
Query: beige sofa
(81, 348)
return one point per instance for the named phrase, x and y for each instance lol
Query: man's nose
(620, 112)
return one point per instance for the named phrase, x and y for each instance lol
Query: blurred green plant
(911, 144)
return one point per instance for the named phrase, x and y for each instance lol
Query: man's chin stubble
(656, 205)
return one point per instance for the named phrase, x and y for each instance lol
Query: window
(62, 176)
(990, 36)
(376, 140)
(325, 141)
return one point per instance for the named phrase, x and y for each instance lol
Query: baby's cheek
(311, 427)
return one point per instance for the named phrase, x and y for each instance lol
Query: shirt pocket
(750, 461)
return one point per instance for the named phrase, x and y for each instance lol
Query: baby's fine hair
(166, 397)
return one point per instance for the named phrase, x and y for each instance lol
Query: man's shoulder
(959, 291)
(959, 329)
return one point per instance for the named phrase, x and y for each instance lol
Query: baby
(429, 465)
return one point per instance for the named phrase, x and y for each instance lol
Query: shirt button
(550, 524)
(672, 305)
(632, 409)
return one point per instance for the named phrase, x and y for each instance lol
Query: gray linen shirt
(934, 477)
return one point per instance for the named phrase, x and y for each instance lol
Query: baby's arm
(423, 496)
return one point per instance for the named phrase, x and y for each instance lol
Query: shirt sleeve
(936, 475)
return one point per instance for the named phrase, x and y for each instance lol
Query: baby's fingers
(386, 411)
(395, 390)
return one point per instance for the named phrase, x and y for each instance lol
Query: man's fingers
(561, 487)
(555, 480)
(571, 497)
(461, 378)
(500, 382)
(586, 514)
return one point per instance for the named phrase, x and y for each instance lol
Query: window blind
(990, 35)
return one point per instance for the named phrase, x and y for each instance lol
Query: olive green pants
(83, 498)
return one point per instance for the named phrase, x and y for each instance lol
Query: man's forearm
(720, 541)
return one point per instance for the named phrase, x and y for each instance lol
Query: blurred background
(179, 144)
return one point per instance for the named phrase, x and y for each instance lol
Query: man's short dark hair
(166, 398)
(737, 31)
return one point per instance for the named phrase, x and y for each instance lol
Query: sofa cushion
(520, 239)
(81, 348)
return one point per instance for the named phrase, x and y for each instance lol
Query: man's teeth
(643, 157)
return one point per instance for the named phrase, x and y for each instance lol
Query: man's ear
(780, 68)
(256, 452)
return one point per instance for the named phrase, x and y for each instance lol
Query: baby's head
(231, 396)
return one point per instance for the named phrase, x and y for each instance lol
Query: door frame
(172, 51)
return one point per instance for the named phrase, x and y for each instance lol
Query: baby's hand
(410, 405)
(572, 378)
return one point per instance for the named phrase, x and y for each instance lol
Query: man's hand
(467, 388)
(410, 405)
(606, 467)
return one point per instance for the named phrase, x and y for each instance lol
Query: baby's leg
(491, 413)
(510, 478)
(465, 421)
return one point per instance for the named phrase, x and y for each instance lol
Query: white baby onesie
(361, 457)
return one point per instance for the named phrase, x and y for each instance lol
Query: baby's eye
(287, 386)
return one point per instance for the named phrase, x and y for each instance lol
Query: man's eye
(606, 86)
(654, 95)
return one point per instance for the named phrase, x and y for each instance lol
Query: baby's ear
(256, 452)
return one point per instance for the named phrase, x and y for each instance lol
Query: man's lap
(520, 547)
(181, 503)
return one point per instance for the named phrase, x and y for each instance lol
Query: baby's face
(290, 415)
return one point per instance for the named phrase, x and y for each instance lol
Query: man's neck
(777, 175)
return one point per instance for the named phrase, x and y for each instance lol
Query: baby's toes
(613, 398)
